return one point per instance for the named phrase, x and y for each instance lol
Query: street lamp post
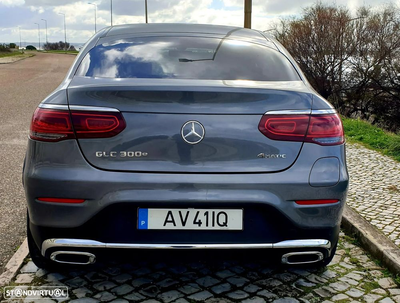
(38, 29)
(65, 32)
(247, 13)
(145, 9)
(111, 12)
(95, 16)
(20, 44)
(47, 41)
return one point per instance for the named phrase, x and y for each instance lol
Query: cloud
(80, 15)
(274, 7)
(38, 9)
(48, 2)
(12, 2)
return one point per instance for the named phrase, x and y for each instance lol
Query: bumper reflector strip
(61, 200)
(316, 202)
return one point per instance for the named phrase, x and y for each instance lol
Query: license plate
(193, 219)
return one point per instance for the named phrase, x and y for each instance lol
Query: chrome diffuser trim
(304, 244)
(319, 257)
(54, 106)
(93, 108)
(91, 257)
(82, 243)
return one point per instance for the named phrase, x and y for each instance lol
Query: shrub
(4, 48)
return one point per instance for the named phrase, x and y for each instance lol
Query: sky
(19, 16)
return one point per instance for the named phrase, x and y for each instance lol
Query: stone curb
(372, 240)
(14, 264)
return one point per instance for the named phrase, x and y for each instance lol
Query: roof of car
(231, 31)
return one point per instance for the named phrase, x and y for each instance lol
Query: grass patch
(355, 261)
(372, 137)
(10, 54)
(352, 240)
(397, 280)
(388, 274)
(62, 52)
(370, 285)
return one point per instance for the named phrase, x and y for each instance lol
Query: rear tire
(36, 254)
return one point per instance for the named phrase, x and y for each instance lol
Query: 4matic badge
(121, 154)
(271, 156)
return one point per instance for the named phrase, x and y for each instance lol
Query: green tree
(353, 61)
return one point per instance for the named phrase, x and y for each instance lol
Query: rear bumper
(109, 213)
(60, 170)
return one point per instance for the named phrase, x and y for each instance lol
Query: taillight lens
(284, 127)
(56, 125)
(97, 125)
(324, 129)
(51, 125)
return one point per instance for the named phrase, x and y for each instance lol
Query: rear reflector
(324, 129)
(55, 125)
(316, 202)
(61, 200)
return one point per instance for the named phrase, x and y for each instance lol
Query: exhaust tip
(302, 257)
(73, 257)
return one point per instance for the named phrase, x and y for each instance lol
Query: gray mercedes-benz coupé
(182, 136)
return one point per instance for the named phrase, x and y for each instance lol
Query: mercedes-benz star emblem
(192, 132)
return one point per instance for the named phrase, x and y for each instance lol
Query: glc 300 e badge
(192, 132)
(121, 154)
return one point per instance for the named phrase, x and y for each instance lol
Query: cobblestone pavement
(351, 277)
(375, 189)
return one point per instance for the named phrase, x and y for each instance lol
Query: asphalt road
(23, 85)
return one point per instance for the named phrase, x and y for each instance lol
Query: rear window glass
(186, 58)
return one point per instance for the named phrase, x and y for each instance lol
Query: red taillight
(61, 200)
(51, 125)
(324, 129)
(316, 202)
(56, 125)
(97, 125)
(284, 127)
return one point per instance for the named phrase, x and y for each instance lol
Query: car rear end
(185, 141)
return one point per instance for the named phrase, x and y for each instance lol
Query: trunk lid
(159, 114)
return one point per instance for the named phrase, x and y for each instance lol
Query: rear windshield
(186, 58)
